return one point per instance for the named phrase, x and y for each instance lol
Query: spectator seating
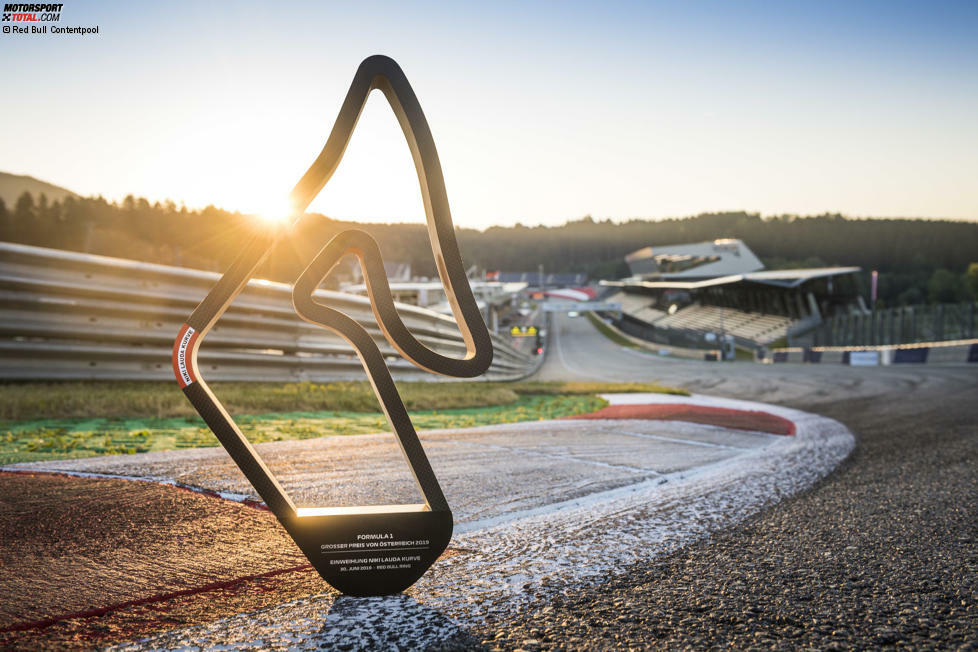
(755, 327)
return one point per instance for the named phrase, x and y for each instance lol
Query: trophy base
(371, 551)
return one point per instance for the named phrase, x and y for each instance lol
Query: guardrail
(951, 351)
(67, 315)
(682, 338)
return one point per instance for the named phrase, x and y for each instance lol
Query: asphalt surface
(485, 472)
(510, 564)
(577, 352)
(77, 546)
(881, 553)
(89, 540)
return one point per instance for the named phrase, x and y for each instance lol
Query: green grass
(164, 399)
(111, 399)
(610, 333)
(744, 355)
(80, 419)
(40, 439)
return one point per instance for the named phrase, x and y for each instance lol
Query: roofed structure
(722, 257)
(721, 287)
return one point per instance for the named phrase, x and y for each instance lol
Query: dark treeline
(918, 260)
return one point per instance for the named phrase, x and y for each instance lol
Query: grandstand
(753, 327)
(692, 294)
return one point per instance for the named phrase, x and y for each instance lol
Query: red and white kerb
(185, 342)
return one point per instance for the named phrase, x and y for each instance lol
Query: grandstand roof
(791, 278)
(698, 260)
(785, 278)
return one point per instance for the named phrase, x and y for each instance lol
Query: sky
(541, 112)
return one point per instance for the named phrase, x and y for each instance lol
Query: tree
(45, 227)
(74, 225)
(907, 253)
(24, 218)
(912, 296)
(972, 277)
(6, 222)
(944, 287)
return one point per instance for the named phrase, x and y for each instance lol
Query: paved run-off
(539, 507)
(485, 472)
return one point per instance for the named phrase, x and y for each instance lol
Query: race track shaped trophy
(377, 549)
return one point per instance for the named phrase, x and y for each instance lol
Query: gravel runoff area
(881, 553)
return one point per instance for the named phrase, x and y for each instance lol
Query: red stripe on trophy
(182, 347)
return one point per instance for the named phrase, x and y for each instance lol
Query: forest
(918, 260)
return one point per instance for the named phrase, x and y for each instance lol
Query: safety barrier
(710, 355)
(67, 315)
(922, 353)
(902, 325)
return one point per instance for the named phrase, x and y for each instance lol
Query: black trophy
(377, 549)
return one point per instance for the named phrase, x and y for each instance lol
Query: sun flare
(277, 212)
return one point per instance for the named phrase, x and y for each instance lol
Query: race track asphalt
(882, 552)
(538, 507)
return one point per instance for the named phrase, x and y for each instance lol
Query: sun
(280, 211)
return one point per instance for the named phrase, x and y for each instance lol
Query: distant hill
(13, 186)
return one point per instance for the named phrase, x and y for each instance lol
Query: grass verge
(109, 399)
(82, 419)
(610, 333)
